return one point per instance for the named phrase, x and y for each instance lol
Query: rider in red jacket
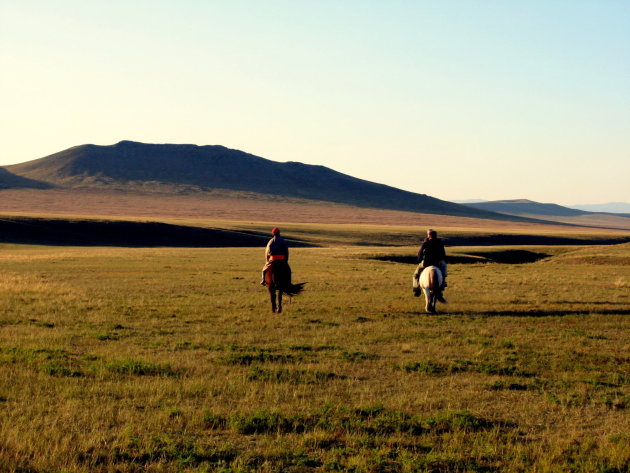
(276, 250)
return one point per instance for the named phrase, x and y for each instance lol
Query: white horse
(430, 284)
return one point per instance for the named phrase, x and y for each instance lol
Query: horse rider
(276, 250)
(431, 253)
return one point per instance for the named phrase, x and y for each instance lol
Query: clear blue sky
(492, 99)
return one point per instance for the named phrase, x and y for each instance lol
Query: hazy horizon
(500, 100)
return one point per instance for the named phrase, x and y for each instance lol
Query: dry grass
(169, 360)
(248, 207)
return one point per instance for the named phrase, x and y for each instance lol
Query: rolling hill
(191, 168)
(526, 207)
(555, 213)
(9, 180)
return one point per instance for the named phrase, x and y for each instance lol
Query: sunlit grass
(170, 360)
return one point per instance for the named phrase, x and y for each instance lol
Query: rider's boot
(416, 287)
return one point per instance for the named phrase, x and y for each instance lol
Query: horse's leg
(272, 296)
(279, 301)
(427, 300)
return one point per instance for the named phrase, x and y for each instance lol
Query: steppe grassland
(170, 360)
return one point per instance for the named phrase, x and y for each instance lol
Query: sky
(457, 99)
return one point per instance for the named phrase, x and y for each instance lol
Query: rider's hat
(275, 231)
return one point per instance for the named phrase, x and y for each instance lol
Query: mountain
(193, 168)
(527, 207)
(611, 207)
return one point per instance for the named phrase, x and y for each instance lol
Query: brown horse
(278, 280)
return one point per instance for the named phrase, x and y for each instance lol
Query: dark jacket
(431, 252)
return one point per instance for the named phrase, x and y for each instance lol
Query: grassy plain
(170, 360)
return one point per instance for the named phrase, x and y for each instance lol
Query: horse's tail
(433, 277)
(294, 289)
(434, 281)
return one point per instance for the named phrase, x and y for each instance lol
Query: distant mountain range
(610, 207)
(526, 207)
(556, 213)
(190, 168)
(530, 208)
(523, 206)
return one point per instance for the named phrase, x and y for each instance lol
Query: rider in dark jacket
(431, 253)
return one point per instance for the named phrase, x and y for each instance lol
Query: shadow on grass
(62, 232)
(511, 313)
(549, 240)
(624, 304)
(504, 257)
(539, 313)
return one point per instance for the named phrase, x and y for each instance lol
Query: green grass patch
(358, 356)
(130, 367)
(260, 356)
(371, 420)
(291, 376)
(463, 366)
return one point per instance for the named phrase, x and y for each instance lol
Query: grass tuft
(261, 356)
(291, 376)
(132, 367)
